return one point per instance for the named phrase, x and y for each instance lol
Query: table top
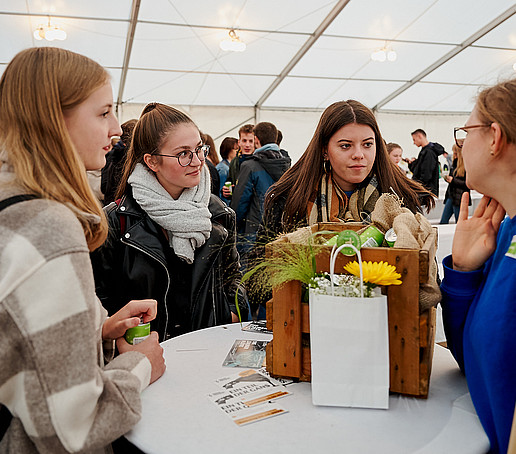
(179, 417)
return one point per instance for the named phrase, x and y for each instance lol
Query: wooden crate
(411, 334)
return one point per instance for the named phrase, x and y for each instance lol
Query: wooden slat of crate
(404, 335)
(287, 329)
(427, 335)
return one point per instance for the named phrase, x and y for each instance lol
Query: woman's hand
(129, 317)
(151, 349)
(475, 238)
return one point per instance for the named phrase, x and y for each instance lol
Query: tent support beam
(304, 49)
(467, 43)
(135, 9)
(242, 123)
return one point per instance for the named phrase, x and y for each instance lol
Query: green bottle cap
(348, 237)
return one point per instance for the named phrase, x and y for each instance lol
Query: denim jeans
(448, 210)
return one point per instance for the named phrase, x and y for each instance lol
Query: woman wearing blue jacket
(479, 287)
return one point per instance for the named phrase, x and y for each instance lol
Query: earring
(327, 166)
(492, 153)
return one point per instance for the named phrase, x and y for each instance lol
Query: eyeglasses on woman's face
(185, 157)
(461, 133)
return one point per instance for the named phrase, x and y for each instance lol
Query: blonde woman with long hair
(456, 187)
(56, 122)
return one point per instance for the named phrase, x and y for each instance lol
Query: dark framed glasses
(185, 157)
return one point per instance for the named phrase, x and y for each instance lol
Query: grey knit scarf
(187, 219)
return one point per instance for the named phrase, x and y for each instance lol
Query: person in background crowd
(425, 168)
(211, 161)
(246, 149)
(266, 165)
(449, 162)
(395, 152)
(339, 177)
(228, 150)
(456, 187)
(279, 138)
(278, 142)
(170, 239)
(112, 171)
(60, 393)
(479, 288)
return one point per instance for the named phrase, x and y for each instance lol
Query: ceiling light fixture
(232, 43)
(49, 31)
(384, 54)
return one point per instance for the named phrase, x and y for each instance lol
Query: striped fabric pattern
(53, 377)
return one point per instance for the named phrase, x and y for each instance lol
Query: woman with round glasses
(170, 239)
(479, 286)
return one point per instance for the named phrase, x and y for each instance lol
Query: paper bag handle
(333, 257)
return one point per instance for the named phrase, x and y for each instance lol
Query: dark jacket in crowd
(112, 171)
(425, 168)
(214, 178)
(136, 262)
(257, 174)
(456, 187)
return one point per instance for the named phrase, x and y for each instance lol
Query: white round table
(178, 417)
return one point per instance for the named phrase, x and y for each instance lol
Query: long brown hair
(36, 87)
(302, 179)
(460, 170)
(155, 122)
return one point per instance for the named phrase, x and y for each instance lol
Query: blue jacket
(257, 174)
(479, 311)
(223, 169)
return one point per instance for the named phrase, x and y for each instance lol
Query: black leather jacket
(132, 265)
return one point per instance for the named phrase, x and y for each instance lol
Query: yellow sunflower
(375, 273)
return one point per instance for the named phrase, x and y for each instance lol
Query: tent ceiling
(301, 54)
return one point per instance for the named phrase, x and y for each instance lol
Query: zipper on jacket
(168, 279)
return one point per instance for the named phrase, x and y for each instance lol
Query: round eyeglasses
(460, 134)
(185, 157)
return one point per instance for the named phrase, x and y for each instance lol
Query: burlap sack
(412, 231)
(386, 209)
(299, 236)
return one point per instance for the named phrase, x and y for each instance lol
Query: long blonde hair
(36, 87)
(460, 170)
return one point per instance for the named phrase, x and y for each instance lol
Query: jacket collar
(128, 205)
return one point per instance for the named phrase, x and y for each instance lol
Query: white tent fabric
(301, 55)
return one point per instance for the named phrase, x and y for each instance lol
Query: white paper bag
(349, 347)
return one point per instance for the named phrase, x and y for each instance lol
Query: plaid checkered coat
(53, 376)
